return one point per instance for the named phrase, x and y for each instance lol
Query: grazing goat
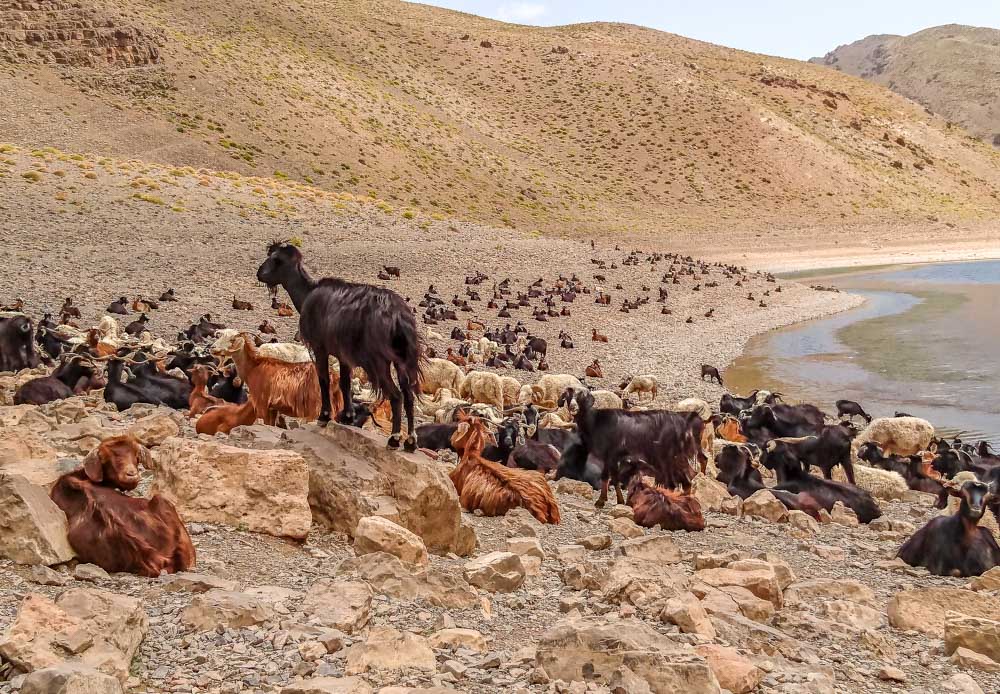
(656, 506)
(851, 409)
(711, 372)
(493, 488)
(955, 545)
(115, 531)
(361, 325)
(640, 384)
(221, 419)
(780, 457)
(277, 387)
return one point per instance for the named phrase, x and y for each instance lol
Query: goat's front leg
(395, 402)
(603, 498)
(322, 358)
(347, 414)
(410, 444)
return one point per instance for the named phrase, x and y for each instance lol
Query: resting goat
(955, 545)
(73, 376)
(737, 470)
(118, 532)
(491, 487)
(656, 506)
(780, 457)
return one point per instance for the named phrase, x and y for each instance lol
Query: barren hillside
(582, 128)
(953, 70)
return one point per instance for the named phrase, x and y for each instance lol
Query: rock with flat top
(342, 605)
(497, 572)
(226, 609)
(377, 534)
(975, 633)
(70, 678)
(389, 649)
(32, 528)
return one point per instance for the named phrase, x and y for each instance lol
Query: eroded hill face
(953, 70)
(604, 128)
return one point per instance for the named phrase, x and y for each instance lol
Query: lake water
(926, 342)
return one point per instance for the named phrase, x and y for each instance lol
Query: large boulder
(388, 575)
(261, 491)
(389, 649)
(227, 609)
(377, 534)
(32, 528)
(925, 609)
(352, 475)
(763, 504)
(70, 678)
(758, 577)
(91, 627)
(593, 649)
(497, 572)
(975, 633)
(154, 429)
(342, 605)
(23, 452)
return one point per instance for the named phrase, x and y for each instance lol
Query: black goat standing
(361, 325)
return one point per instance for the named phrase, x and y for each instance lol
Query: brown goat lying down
(652, 506)
(221, 419)
(493, 488)
(115, 531)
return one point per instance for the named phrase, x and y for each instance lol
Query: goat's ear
(238, 382)
(93, 465)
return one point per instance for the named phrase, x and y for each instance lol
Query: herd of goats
(510, 438)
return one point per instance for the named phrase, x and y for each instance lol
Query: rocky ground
(87, 229)
(756, 603)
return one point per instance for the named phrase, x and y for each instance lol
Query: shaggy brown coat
(118, 532)
(492, 488)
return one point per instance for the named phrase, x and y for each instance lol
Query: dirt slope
(593, 127)
(953, 70)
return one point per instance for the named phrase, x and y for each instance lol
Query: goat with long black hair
(361, 325)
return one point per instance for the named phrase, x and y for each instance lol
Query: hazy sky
(790, 28)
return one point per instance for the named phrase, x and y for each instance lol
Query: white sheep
(548, 388)
(606, 400)
(642, 384)
(487, 347)
(882, 484)
(431, 335)
(282, 351)
(108, 327)
(511, 390)
(694, 405)
(484, 387)
(896, 435)
(441, 373)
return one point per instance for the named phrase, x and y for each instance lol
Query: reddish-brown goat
(115, 531)
(652, 506)
(200, 400)
(222, 419)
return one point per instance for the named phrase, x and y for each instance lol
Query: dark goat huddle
(362, 326)
(737, 470)
(784, 460)
(667, 443)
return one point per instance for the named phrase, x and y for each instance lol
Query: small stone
(891, 674)
(497, 572)
(595, 542)
(90, 572)
(842, 515)
(45, 576)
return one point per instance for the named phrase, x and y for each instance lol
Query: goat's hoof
(410, 444)
(393, 442)
(344, 418)
(323, 420)
(600, 503)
